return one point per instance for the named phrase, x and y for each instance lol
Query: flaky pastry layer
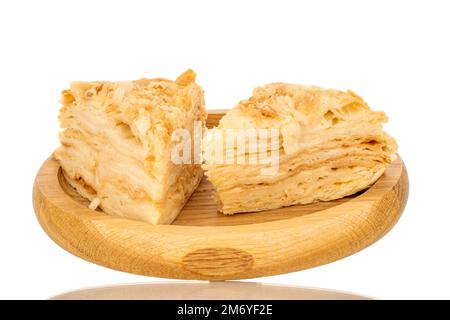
(329, 144)
(117, 139)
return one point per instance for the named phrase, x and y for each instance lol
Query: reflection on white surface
(220, 290)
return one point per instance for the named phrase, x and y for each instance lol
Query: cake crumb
(94, 203)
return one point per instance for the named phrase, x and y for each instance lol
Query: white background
(393, 53)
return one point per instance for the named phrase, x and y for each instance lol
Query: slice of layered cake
(117, 141)
(291, 144)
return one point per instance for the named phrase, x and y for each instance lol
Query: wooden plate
(203, 244)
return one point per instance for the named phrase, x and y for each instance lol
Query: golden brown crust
(186, 78)
(309, 105)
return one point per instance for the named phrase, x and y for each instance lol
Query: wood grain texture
(203, 244)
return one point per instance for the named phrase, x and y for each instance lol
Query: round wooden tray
(204, 244)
